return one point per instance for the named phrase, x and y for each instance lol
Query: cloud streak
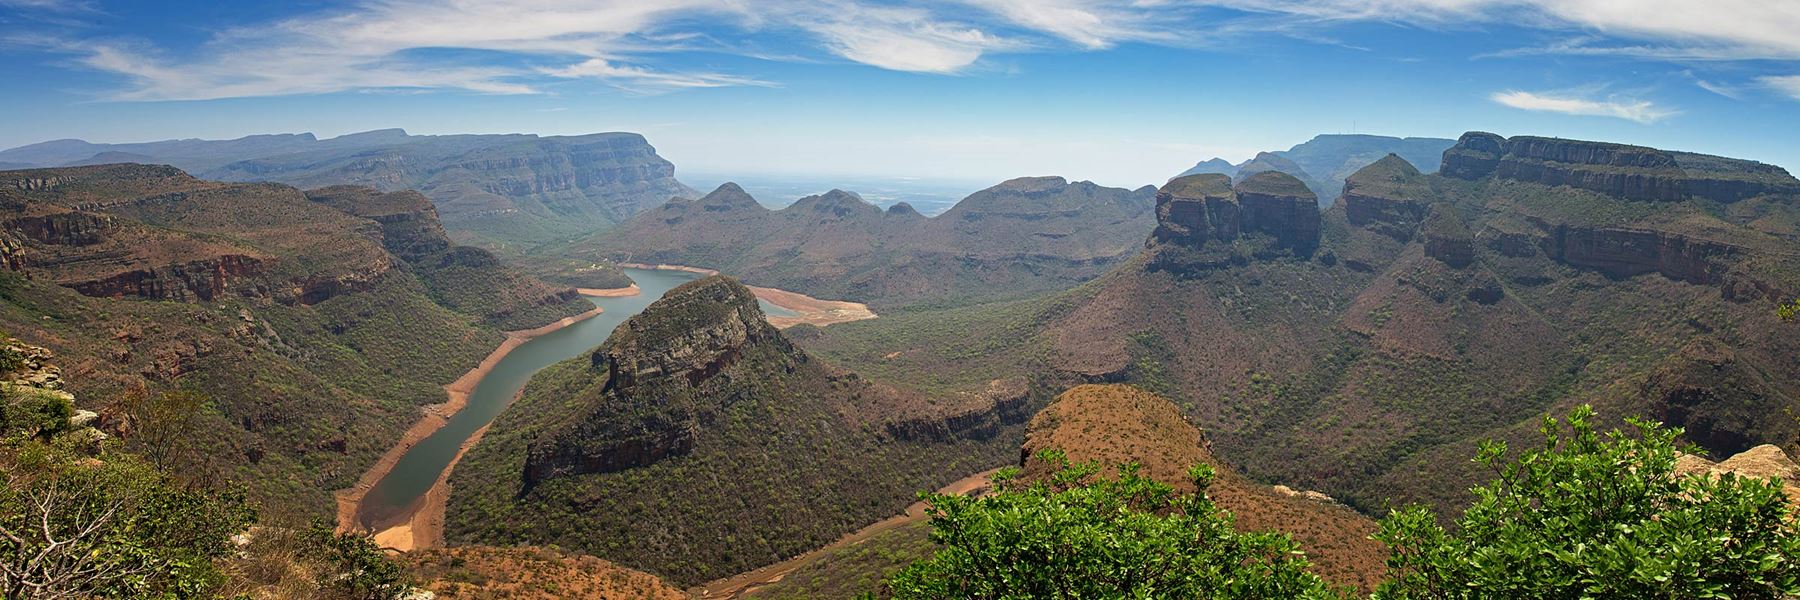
(1788, 85)
(1641, 111)
(522, 46)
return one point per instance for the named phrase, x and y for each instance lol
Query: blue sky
(1122, 92)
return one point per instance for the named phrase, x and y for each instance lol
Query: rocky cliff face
(1201, 218)
(1280, 205)
(970, 414)
(1196, 209)
(1448, 239)
(409, 222)
(668, 370)
(1624, 171)
(1622, 252)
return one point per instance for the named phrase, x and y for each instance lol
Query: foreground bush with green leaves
(73, 525)
(1587, 515)
(1077, 536)
(1599, 516)
(1591, 515)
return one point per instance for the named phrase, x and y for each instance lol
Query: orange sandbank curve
(811, 310)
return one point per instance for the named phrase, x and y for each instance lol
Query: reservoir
(394, 498)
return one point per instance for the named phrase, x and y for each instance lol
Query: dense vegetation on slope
(1023, 236)
(85, 516)
(698, 443)
(311, 327)
(1069, 535)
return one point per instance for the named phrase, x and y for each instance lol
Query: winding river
(395, 496)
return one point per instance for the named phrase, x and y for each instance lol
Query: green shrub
(31, 411)
(358, 568)
(1592, 516)
(75, 525)
(1076, 536)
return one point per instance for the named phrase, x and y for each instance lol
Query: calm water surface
(419, 468)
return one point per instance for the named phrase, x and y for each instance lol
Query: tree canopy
(1079, 536)
(1591, 515)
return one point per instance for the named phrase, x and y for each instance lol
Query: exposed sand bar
(631, 290)
(812, 310)
(349, 500)
(738, 585)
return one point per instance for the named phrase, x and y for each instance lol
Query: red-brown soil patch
(1117, 424)
(529, 573)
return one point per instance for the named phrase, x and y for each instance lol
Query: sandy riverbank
(631, 290)
(349, 500)
(737, 585)
(811, 310)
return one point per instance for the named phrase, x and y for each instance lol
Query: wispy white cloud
(1786, 84)
(49, 5)
(643, 80)
(520, 46)
(1642, 111)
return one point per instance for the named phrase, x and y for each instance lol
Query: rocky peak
(1031, 185)
(669, 371)
(1475, 155)
(1196, 209)
(904, 210)
(1213, 165)
(728, 197)
(835, 205)
(1390, 196)
(690, 334)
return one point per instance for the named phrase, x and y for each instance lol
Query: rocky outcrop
(1196, 209)
(1196, 212)
(966, 415)
(1720, 401)
(1766, 461)
(1448, 239)
(1625, 252)
(1390, 196)
(1621, 170)
(1206, 208)
(194, 281)
(63, 228)
(409, 222)
(1280, 205)
(668, 371)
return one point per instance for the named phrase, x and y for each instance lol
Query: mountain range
(492, 189)
(1326, 160)
(1364, 353)
(1023, 236)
